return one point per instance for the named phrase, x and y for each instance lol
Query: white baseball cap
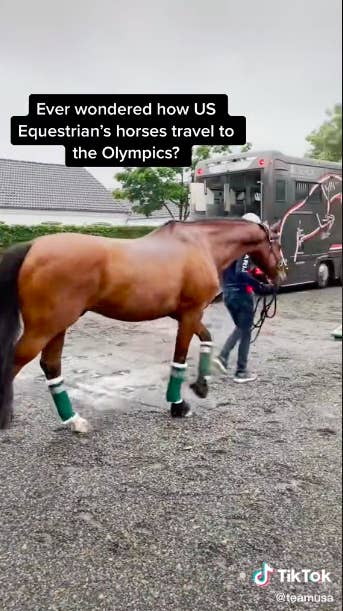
(250, 216)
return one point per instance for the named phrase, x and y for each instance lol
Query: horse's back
(128, 279)
(76, 241)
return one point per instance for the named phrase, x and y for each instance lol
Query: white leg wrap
(206, 347)
(72, 419)
(55, 381)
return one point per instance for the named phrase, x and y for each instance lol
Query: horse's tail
(10, 265)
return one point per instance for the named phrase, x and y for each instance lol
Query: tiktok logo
(261, 577)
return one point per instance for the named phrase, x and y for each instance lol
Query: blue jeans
(241, 307)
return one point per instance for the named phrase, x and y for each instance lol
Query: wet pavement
(148, 513)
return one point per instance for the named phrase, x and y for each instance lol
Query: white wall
(36, 217)
(146, 221)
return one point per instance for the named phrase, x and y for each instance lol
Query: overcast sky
(279, 62)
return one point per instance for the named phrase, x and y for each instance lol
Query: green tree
(326, 142)
(246, 147)
(204, 152)
(150, 189)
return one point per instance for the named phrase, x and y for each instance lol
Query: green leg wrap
(205, 362)
(61, 400)
(177, 376)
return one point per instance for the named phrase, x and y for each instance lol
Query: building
(32, 193)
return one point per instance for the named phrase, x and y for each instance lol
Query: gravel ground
(146, 513)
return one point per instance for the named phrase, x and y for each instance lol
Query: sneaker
(220, 364)
(244, 376)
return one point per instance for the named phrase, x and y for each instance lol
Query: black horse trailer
(305, 194)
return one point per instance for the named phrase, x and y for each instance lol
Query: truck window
(280, 191)
(302, 190)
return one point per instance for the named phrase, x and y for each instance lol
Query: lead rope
(268, 310)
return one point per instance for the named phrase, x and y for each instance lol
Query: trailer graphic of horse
(329, 186)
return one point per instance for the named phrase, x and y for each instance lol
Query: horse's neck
(226, 255)
(226, 240)
(227, 247)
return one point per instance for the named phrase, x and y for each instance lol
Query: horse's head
(268, 254)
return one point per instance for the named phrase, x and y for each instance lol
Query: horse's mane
(207, 221)
(214, 222)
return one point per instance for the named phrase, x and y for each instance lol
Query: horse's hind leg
(51, 365)
(200, 386)
(27, 348)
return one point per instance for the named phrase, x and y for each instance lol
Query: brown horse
(173, 271)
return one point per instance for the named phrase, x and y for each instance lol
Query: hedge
(13, 234)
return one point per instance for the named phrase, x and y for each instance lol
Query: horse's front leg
(200, 386)
(188, 323)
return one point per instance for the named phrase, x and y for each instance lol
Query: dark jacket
(238, 278)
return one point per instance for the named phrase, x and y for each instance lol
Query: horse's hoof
(180, 410)
(200, 388)
(80, 425)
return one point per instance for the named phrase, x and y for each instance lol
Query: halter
(281, 264)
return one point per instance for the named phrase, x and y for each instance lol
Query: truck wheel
(323, 275)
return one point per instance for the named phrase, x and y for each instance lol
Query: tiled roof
(47, 186)
(28, 185)
(159, 214)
